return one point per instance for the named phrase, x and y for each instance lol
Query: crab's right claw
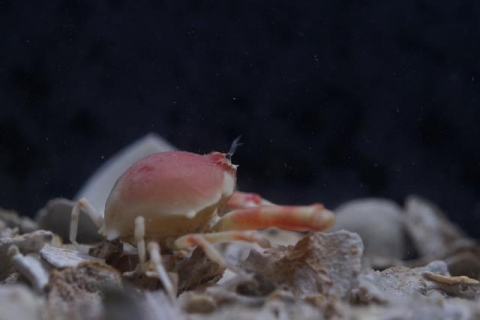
(295, 218)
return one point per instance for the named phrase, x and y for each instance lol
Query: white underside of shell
(228, 184)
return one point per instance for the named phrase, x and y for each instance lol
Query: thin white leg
(156, 259)
(139, 238)
(205, 240)
(224, 236)
(86, 206)
(199, 240)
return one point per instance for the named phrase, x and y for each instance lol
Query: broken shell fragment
(62, 257)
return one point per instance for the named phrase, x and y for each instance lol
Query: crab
(175, 200)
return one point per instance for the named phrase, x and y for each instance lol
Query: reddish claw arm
(240, 200)
(295, 218)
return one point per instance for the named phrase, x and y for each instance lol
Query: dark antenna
(234, 146)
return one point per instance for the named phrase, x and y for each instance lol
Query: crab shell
(176, 192)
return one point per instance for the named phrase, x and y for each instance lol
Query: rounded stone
(380, 224)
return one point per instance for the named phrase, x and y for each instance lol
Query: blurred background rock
(335, 100)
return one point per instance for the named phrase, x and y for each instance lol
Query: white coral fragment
(29, 267)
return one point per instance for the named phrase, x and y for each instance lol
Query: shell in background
(55, 216)
(98, 186)
(379, 222)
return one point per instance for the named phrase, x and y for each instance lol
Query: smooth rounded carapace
(176, 192)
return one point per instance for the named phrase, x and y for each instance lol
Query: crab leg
(189, 240)
(155, 256)
(86, 206)
(139, 234)
(240, 200)
(295, 218)
(206, 241)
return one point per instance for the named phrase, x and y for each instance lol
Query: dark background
(335, 99)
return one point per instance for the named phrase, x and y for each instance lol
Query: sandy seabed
(392, 263)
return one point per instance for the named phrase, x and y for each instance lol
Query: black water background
(335, 100)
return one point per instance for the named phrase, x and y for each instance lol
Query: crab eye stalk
(236, 143)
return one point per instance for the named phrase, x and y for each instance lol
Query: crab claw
(295, 218)
(321, 219)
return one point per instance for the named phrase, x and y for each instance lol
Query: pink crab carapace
(179, 199)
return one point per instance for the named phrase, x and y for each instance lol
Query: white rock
(379, 222)
(432, 233)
